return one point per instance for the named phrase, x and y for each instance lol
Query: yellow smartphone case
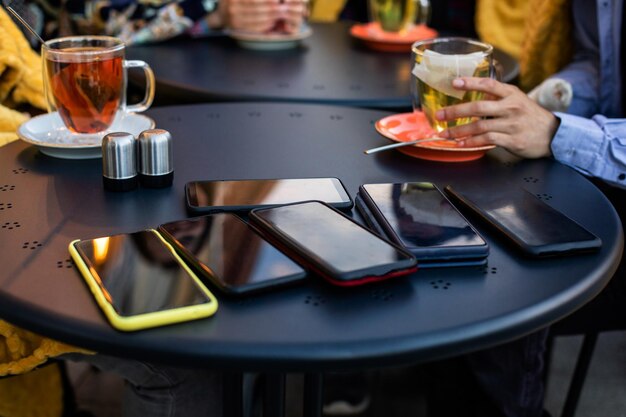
(146, 320)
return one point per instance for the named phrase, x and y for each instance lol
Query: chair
(603, 314)
(607, 312)
(585, 355)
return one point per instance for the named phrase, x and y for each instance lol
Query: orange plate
(375, 38)
(405, 127)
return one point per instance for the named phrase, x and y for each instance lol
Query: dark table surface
(46, 202)
(330, 67)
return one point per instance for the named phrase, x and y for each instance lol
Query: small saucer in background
(270, 41)
(377, 39)
(406, 127)
(48, 133)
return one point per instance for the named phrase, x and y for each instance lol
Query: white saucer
(270, 41)
(48, 133)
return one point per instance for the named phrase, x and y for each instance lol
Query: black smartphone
(530, 224)
(331, 244)
(231, 254)
(244, 195)
(419, 217)
(139, 281)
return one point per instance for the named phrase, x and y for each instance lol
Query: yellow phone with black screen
(140, 282)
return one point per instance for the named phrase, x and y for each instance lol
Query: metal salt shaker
(156, 162)
(119, 162)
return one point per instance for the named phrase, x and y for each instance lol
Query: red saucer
(405, 127)
(375, 38)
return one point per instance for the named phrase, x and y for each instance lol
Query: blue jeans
(161, 391)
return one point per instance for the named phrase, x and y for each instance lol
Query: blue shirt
(592, 135)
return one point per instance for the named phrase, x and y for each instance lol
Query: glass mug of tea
(439, 61)
(85, 81)
(399, 15)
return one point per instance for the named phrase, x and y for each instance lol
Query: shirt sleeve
(595, 147)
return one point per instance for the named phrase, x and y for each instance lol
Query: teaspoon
(23, 22)
(401, 144)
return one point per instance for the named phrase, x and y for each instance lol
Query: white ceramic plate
(270, 41)
(48, 133)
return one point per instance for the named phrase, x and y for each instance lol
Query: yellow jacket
(24, 390)
(326, 10)
(501, 23)
(548, 41)
(21, 352)
(537, 32)
(21, 80)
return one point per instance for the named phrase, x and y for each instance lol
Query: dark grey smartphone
(418, 216)
(231, 254)
(244, 195)
(530, 224)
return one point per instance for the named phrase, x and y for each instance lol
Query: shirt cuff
(577, 143)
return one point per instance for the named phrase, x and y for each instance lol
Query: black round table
(330, 67)
(47, 202)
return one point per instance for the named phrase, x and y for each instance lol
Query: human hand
(262, 16)
(515, 122)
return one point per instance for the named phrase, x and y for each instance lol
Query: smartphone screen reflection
(422, 216)
(231, 253)
(254, 193)
(138, 274)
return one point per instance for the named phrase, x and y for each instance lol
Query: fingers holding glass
(264, 16)
(512, 120)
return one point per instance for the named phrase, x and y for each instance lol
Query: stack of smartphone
(419, 217)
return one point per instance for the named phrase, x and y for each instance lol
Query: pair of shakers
(127, 161)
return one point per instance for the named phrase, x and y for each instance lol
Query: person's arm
(583, 72)
(595, 147)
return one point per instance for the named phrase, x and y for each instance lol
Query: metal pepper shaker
(119, 162)
(156, 162)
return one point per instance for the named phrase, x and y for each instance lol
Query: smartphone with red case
(331, 244)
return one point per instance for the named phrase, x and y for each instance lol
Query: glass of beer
(399, 15)
(85, 81)
(436, 63)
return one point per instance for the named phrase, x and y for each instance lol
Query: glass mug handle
(149, 97)
(423, 12)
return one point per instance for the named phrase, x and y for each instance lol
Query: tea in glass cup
(438, 62)
(399, 15)
(85, 81)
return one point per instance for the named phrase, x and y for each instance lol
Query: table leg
(274, 399)
(233, 394)
(313, 389)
